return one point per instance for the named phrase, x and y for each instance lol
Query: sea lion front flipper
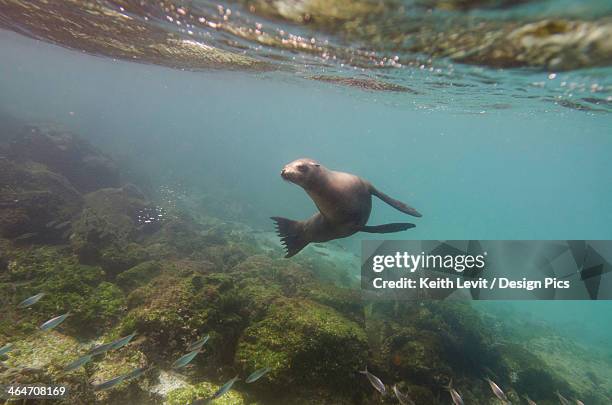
(291, 236)
(388, 228)
(398, 205)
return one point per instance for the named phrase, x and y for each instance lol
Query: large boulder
(110, 226)
(68, 154)
(305, 344)
(34, 202)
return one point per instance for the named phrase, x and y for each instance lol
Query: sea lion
(344, 202)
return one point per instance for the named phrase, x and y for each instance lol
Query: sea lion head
(303, 172)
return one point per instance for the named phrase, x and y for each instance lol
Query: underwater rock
(203, 390)
(553, 44)
(138, 275)
(40, 359)
(9, 127)
(168, 312)
(416, 355)
(320, 13)
(181, 237)
(113, 29)
(94, 304)
(118, 363)
(31, 197)
(464, 5)
(67, 154)
(305, 344)
(430, 343)
(364, 83)
(108, 229)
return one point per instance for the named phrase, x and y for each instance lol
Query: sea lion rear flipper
(388, 228)
(398, 205)
(290, 233)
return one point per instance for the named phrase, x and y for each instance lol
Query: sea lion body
(344, 202)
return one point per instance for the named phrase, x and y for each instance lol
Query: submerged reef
(122, 262)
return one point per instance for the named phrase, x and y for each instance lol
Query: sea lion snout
(286, 174)
(300, 171)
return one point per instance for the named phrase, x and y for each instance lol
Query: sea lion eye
(302, 168)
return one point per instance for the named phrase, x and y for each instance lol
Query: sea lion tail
(388, 228)
(291, 236)
(398, 205)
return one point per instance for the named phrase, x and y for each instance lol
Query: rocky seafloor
(122, 261)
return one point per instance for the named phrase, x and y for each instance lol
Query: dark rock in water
(68, 154)
(552, 44)
(30, 197)
(464, 5)
(364, 83)
(9, 126)
(108, 229)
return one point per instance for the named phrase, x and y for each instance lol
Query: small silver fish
(119, 343)
(562, 399)
(375, 381)
(61, 225)
(78, 363)
(137, 372)
(529, 401)
(198, 344)
(496, 390)
(26, 236)
(579, 402)
(109, 384)
(184, 360)
(257, 374)
(6, 348)
(403, 399)
(54, 322)
(224, 388)
(457, 400)
(28, 302)
(103, 348)
(115, 344)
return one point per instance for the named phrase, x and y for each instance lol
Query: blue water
(538, 172)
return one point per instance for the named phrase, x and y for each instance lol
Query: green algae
(94, 304)
(138, 275)
(42, 196)
(304, 343)
(204, 390)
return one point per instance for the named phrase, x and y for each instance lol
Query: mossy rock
(203, 390)
(40, 359)
(94, 304)
(33, 201)
(114, 364)
(110, 227)
(68, 154)
(305, 344)
(138, 275)
(416, 354)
